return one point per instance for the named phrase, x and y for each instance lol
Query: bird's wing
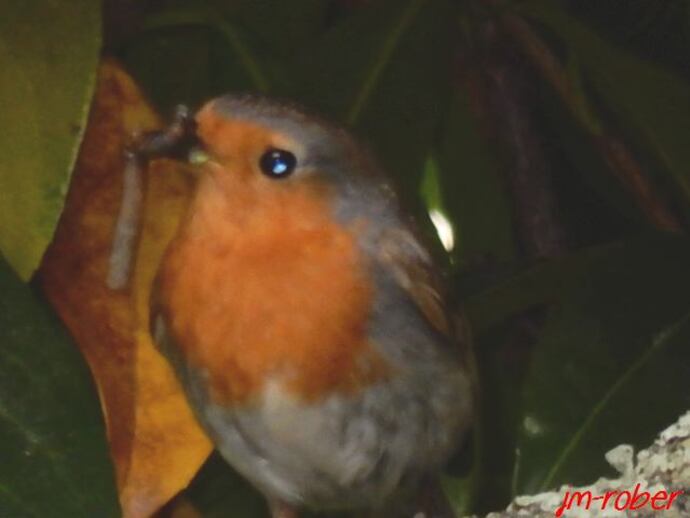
(414, 271)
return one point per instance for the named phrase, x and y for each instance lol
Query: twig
(505, 100)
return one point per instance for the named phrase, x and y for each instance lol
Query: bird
(303, 315)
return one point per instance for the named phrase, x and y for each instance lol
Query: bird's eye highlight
(277, 163)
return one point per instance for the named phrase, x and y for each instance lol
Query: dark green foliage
(578, 351)
(54, 453)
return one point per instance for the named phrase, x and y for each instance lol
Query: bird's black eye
(277, 163)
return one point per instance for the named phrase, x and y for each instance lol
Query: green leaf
(379, 72)
(232, 38)
(658, 31)
(583, 159)
(649, 99)
(475, 197)
(244, 45)
(282, 28)
(381, 60)
(52, 441)
(611, 366)
(545, 282)
(183, 59)
(49, 57)
(157, 58)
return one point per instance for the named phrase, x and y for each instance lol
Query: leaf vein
(657, 343)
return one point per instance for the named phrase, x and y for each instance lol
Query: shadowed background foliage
(543, 145)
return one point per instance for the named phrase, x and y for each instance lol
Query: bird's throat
(263, 285)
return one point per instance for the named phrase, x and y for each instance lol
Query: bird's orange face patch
(263, 284)
(237, 144)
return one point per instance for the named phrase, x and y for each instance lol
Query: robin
(304, 318)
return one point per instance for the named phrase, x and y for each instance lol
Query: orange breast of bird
(262, 284)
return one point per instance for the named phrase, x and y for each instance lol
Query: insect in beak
(178, 141)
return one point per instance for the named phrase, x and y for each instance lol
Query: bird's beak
(179, 141)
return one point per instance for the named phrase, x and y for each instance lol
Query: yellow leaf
(156, 445)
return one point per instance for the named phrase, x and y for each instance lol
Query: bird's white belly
(342, 452)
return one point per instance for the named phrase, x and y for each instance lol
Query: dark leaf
(543, 283)
(649, 99)
(584, 164)
(611, 366)
(282, 28)
(218, 491)
(475, 197)
(187, 56)
(232, 37)
(52, 442)
(380, 72)
(659, 31)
